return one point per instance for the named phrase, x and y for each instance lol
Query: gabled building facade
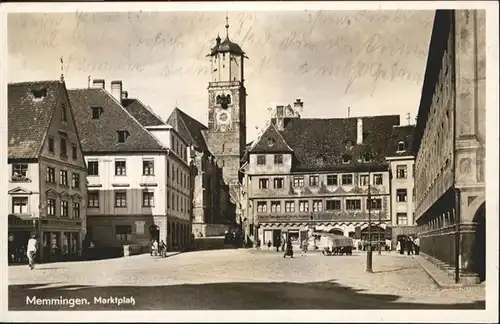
(317, 174)
(402, 182)
(47, 189)
(449, 145)
(211, 212)
(138, 187)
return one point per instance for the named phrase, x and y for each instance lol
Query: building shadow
(218, 296)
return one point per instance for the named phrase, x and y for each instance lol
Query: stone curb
(434, 273)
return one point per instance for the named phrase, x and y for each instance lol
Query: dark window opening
(96, 112)
(39, 93)
(122, 136)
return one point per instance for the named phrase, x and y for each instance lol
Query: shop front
(61, 240)
(20, 230)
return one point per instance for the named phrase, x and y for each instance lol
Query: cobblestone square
(239, 279)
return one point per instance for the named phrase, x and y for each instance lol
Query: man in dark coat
(289, 248)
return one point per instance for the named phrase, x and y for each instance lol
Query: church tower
(226, 134)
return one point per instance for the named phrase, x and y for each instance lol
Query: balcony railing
(20, 178)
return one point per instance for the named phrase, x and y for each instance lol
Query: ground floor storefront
(275, 233)
(452, 232)
(110, 235)
(58, 239)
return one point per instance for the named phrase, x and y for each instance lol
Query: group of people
(158, 248)
(287, 247)
(409, 244)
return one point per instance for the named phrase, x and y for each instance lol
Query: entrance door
(294, 237)
(277, 240)
(479, 249)
(154, 232)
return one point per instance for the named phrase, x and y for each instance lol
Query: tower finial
(227, 26)
(62, 69)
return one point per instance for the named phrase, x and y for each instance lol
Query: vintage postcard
(290, 161)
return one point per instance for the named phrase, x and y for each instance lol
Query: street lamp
(379, 227)
(369, 248)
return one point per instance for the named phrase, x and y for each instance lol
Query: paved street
(240, 279)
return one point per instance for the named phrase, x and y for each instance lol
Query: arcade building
(449, 146)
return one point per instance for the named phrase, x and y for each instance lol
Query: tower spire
(227, 26)
(62, 69)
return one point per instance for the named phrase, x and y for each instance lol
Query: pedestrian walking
(305, 246)
(409, 246)
(289, 249)
(154, 248)
(163, 249)
(31, 251)
(269, 245)
(398, 246)
(417, 245)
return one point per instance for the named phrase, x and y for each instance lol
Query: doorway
(479, 249)
(277, 238)
(154, 232)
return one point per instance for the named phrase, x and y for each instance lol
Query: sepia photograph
(251, 157)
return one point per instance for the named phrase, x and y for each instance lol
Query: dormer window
(401, 146)
(96, 112)
(346, 159)
(122, 136)
(367, 157)
(270, 142)
(320, 160)
(39, 94)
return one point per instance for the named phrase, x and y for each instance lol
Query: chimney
(125, 94)
(116, 90)
(280, 118)
(360, 131)
(98, 83)
(298, 106)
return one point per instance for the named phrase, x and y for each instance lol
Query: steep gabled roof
(29, 119)
(189, 128)
(270, 141)
(321, 144)
(101, 135)
(401, 133)
(141, 112)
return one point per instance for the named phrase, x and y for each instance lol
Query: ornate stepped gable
(336, 140)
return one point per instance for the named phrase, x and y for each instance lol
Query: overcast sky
(372, 61)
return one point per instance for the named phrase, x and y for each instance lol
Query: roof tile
(141, 112)
(401, 133)
(29, 119)
(322, 144)
(189, 128)
(100, 135)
